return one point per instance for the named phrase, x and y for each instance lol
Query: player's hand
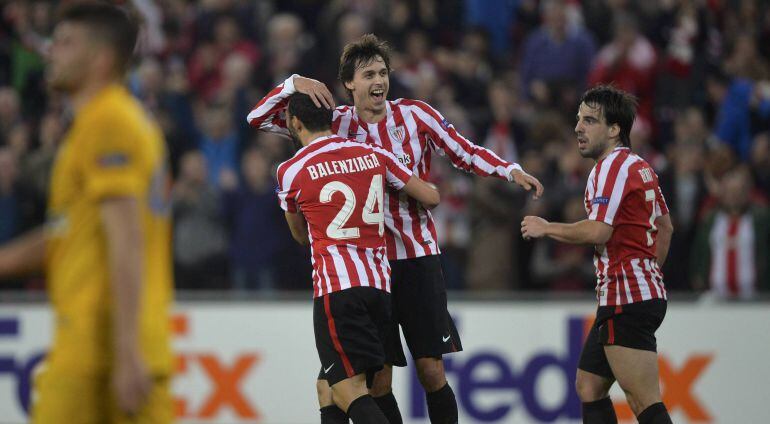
(533, 227)
(317, 91)
(131, 382)
(527, 182)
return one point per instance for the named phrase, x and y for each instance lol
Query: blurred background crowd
(507, 73)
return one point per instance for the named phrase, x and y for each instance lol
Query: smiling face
(595, 138)
(370, 83)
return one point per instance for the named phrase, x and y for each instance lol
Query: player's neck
(370, 115)
(307, 137)
(611, 148)
(88, 91)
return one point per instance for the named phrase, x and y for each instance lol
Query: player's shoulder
(413, 103)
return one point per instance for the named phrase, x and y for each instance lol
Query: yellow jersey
(113, 149)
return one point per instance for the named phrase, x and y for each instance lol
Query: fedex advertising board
(246, 362)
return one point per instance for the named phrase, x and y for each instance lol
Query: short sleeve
(114, 158)
(612, 184)
(396, 173)
(287, 197)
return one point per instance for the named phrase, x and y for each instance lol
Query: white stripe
(385, 267)
(343, 129)
(371, 263)
(363, 279)
(339, 267)
(639, 273)
(618, 188)
(629, 295)
(746, 265)
(717, 238)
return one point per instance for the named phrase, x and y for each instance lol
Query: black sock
(442, 406)
(332, 414)
(599, 412)
(365, 411)
(655, 414)
(389, 407)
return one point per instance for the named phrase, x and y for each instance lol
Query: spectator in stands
(564, 267)
(731, 253)
(556, 59)
(200, 239)
(256, 227)
(629, 62)
(760, 162)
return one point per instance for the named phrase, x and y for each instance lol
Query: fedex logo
(224, 377)
(480, 374)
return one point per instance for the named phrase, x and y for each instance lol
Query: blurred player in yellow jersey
(106, 246)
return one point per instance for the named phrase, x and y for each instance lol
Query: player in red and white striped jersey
(332, 192)
(413, 131)
(629, 225)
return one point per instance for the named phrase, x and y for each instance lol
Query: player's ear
(614, 130)
(349, 85)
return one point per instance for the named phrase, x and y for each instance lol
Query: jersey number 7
(336, 228)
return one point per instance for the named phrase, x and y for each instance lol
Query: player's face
(69, 57)
(593, 133)
(370, 85)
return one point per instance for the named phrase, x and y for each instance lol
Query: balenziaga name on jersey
(347, 166)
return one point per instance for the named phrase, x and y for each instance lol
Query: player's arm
(298, 227)
(665, 231)
(470, 157)
(582, 232)
(267, 114)
(425, 193)
(24, 254)
(125, 249)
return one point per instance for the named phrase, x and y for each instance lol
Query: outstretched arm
(23, 255)
(583, 232)
(468, 156)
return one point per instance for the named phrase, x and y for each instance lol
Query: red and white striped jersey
(412, 131)
(733, 270)
(338, 185)
(623, 192)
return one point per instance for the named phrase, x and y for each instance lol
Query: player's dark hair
(617, 106)
(109, 24)
(361, 53)
(314, 118)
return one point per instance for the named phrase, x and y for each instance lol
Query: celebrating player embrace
(412, 131)
(336, 185)
(628, 223)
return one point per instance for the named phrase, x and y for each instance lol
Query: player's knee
(590, 390)
(430, 372)
(382, 383)
(638, 401)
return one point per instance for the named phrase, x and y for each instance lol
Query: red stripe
(256, 122)
(376, 259)
(732, 256)
(335, 339)
(611, 330)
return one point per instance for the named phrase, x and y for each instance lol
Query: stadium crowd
(507, 73)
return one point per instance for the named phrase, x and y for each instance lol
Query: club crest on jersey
(398, 133)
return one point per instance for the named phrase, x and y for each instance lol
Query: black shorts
(352, 328)
(420, 307)
(631, 326)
